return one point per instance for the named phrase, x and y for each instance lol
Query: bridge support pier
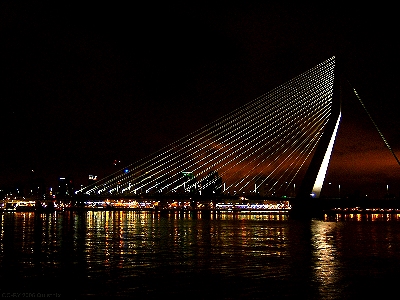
(306, 208)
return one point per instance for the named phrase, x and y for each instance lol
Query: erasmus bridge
(262, 148)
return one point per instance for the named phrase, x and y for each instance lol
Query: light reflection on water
(363, 217)
(326, 266)
(108, 253)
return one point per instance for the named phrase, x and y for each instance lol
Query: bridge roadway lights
(305, 209)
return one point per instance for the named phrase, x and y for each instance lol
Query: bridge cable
(373, 122)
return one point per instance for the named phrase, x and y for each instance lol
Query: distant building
(212, 184)
(36, 188)
(261, 186)
(92, 179)
(65, 187)
(185, 182)
(190, 182)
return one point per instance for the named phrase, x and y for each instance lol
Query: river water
(79, 255)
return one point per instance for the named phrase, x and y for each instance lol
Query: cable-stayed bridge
(262, 148)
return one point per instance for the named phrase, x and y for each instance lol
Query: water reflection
(326, 236)
(362, 217)
(129, 253)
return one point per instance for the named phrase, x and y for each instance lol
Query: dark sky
(84, 85)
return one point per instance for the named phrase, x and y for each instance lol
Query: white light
(324, 166)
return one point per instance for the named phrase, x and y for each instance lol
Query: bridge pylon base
(306, 208)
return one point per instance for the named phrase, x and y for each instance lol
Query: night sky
(85, 85)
